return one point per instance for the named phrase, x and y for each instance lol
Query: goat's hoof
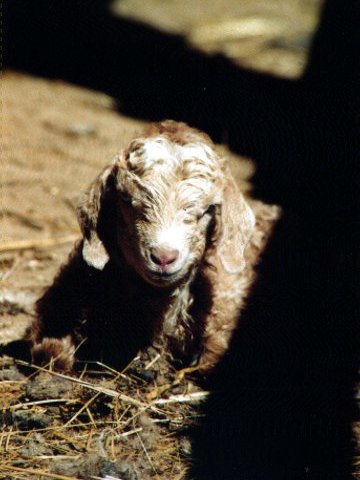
(59, 353)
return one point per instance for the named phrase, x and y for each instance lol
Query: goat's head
(161, 203)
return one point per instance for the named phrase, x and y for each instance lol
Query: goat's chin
(163, 280)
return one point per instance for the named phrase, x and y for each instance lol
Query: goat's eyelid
(188, 206)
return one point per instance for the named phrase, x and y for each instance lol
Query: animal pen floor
(99, 422)
(132, 423)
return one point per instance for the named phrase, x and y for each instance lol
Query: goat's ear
(236, 223)
(89, 212)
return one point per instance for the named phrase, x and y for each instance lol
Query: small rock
(93, 465)
(118, 470)
(146, 375)
(33, 264)
(10, 372)
(28, 420)
(83, 467)
(54, 411)
(35, 446)
(80, 130)
(45, 386)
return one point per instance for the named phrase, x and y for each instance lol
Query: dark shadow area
(19, 349)
(284, 402)
(151, 74)
(106, 321)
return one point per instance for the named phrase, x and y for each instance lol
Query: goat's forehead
(162, 192)
(160, 155)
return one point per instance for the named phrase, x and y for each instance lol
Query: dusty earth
(100, 423)
(270, 36)
(56, 139)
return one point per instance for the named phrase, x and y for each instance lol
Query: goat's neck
(166, 308)
(177, 319)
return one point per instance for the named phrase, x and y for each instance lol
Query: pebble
(80, 130)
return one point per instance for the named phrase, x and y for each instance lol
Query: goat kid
(164, 232)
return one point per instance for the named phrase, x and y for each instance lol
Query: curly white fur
(170, 192)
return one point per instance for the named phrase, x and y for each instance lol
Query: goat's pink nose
(163, 256)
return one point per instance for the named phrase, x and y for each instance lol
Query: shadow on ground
(284, 400)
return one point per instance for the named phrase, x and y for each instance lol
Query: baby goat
(164, 231)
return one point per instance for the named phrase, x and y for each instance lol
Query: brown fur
(106, 293)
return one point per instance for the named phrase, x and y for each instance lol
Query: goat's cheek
(198, 245)
(135, 245)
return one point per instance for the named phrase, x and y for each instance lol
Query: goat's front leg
(57, 313)
(219, 326)
(215, 344)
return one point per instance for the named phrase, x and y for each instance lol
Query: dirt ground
(55, 138)
(268, 36)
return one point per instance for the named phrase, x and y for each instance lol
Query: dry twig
(37, 243)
